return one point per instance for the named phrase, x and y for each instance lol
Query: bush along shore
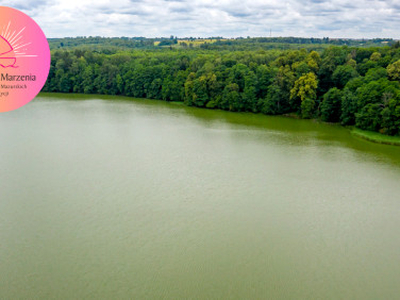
(353, 86)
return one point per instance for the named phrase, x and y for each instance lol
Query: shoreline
(375, 137)
(370, 136)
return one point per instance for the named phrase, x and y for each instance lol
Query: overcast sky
(228, 18)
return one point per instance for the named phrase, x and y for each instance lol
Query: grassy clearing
(198, 42)
(182, 43)
(376, 137)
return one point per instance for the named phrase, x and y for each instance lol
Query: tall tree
(304, 94)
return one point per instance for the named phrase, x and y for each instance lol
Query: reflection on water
(122, 198)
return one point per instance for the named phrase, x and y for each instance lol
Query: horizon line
(231, 38)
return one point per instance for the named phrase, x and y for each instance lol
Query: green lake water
(115, 198)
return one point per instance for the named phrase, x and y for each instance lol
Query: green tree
(305, 88)
(155, 88)
(265, 77)
(313, 61)
(375, 74)
(343, 74)
(331, 105)
(331, 58)
(307, 108)
(369, 118)
(250, 92)
(394, 70)
(375, 56)
(189, 86)
(200, 92)
(231, 98)
(348, 107)
(285, 80)
(391, 117)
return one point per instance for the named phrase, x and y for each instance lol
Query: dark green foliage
(340, 84)
(375, 74)
(274, 103)
(331, 59)
(331, 106)
(307, 108)
(391, 117)
(200, 91)
(231, 98)
(265, 77)
(366, 65)
(343, 74)
(250, 92)
(369, 118)
(354, 84)
(373, 91)
(348, 107)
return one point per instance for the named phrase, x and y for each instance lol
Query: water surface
(114, 198)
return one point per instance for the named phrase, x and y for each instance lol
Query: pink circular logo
(24, 59)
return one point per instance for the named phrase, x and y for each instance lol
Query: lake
(116, 198)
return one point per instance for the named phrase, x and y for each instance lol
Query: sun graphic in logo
(12, 46)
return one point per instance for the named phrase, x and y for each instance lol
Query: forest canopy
(352, 85)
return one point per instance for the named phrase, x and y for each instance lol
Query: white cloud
(230, 18)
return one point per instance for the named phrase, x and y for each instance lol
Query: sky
(206, 18)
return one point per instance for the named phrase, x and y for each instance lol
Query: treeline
(115, 44)
(267, 43)
(353, 86)
(104, 44)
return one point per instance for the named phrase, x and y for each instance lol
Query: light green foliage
(394, 70)
(305, 88)
(352, 63)
(376, 137)
(301, 68)
(375, 56)
(313, 61)
(285, 80)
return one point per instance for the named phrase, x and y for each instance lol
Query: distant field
(200, 42)
(193, 42)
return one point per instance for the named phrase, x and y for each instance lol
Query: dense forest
(212, 43)
(347, 84)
